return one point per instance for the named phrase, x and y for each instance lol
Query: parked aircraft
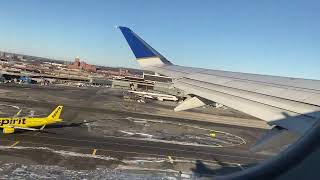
(10, 124)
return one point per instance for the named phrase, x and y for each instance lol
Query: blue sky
(278, 37)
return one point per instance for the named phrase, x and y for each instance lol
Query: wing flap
(285, 104)
(273, 115)
(271, 89)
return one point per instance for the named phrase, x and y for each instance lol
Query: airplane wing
(27, 128)
(290, 106)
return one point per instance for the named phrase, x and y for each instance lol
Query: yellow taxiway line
(94, 152)
(12, 145)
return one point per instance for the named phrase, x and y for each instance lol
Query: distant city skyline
(276, 37)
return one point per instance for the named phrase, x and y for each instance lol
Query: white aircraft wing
(28, 128)
(25, 128)
(290, 106)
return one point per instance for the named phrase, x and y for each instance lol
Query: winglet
(145, 54)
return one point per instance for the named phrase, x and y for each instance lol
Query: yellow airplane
(26, 123)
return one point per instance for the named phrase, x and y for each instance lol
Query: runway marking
(141, 153)
(216, 144)
(59, 152)
(175, 157)
(243, 141)
(163, 156)
(107, 158)
(94, 152)
(144, 146)
(12, 145)
(16, 107)
(153, 147)
(115, 137)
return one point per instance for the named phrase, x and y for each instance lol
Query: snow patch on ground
(60, 152)
(20, 171)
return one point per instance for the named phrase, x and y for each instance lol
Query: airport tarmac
(100, 131)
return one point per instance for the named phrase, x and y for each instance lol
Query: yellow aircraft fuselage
(11, 123)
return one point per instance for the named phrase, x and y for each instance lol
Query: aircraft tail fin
(55, 115)
(146, 56)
